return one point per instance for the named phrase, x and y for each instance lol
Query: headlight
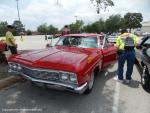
(68, 77)
(19, 67)
(15, 66)
(64, 76)
(73, 78)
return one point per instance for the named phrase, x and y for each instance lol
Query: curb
(9, 81)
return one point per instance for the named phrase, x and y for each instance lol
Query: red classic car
(3, 46)
(71, 64)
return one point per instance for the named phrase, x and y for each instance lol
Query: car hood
(58, 58)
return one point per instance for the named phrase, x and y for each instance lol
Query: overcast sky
(36, 12)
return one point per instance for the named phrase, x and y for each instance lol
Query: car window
(148, 52)
(147, 42)
(106, 44)
(84, 42)
(101, 39)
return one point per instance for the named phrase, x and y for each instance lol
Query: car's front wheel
(90, 83)
(145, 78)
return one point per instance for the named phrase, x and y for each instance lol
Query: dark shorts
(13, 49)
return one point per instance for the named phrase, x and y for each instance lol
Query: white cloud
(46, 11)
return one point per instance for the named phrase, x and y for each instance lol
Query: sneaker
(128, 81)
(116, 79)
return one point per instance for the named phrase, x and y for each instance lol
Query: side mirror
(139, 47)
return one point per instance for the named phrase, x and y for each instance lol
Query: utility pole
(58, 3)
(18, 10)
(20, 31)
(76, 18)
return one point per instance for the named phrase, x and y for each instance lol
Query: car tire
(145, 78)
(90, 84)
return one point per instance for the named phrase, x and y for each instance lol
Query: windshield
(77, 41)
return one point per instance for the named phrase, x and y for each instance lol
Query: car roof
(84, 35)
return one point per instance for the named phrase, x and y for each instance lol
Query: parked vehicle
(71, 64)
(3, 47)
(146, 34)
(112, 38)
(143, 60)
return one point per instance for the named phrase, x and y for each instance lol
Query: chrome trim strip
(79, 90)
(41, 81)
(39, 69)
(104, 42)
(81, 87)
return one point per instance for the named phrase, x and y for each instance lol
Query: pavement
(108, 96)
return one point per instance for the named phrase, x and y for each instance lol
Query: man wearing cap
(125, 44)
(10, 40)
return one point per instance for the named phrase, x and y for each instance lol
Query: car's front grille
(27, 71)
(45, 75)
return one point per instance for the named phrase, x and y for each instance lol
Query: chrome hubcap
(91, 81)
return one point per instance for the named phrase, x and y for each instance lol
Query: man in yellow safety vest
(10, 40)
(125, 44)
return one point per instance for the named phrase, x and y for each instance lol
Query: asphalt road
(108, 96)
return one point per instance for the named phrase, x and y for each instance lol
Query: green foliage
(52, 29)
(96, 27)
(19, 27)
(45, 29)
(122, 23)
(3, 26)
(133, 20)
(29, 32)
(102, 4)
(112, 24)
(76, 27)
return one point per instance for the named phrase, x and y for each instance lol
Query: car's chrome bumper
(52, 84)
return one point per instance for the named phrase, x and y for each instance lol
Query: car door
(139, 51)
(109, 53)
(148, 58)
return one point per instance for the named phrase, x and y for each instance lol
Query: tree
(76, 27)
(122, 23)
(19, 27)
(102, 4)
(43, 29)
(3, 26)
(133, 20)
(87, 28)
(95, 27)
(112, 24)
(52, 30)
(29, 32)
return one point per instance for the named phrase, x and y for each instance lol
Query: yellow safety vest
(9, 36)
(120, 43)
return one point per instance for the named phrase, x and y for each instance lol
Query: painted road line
(116, 98)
